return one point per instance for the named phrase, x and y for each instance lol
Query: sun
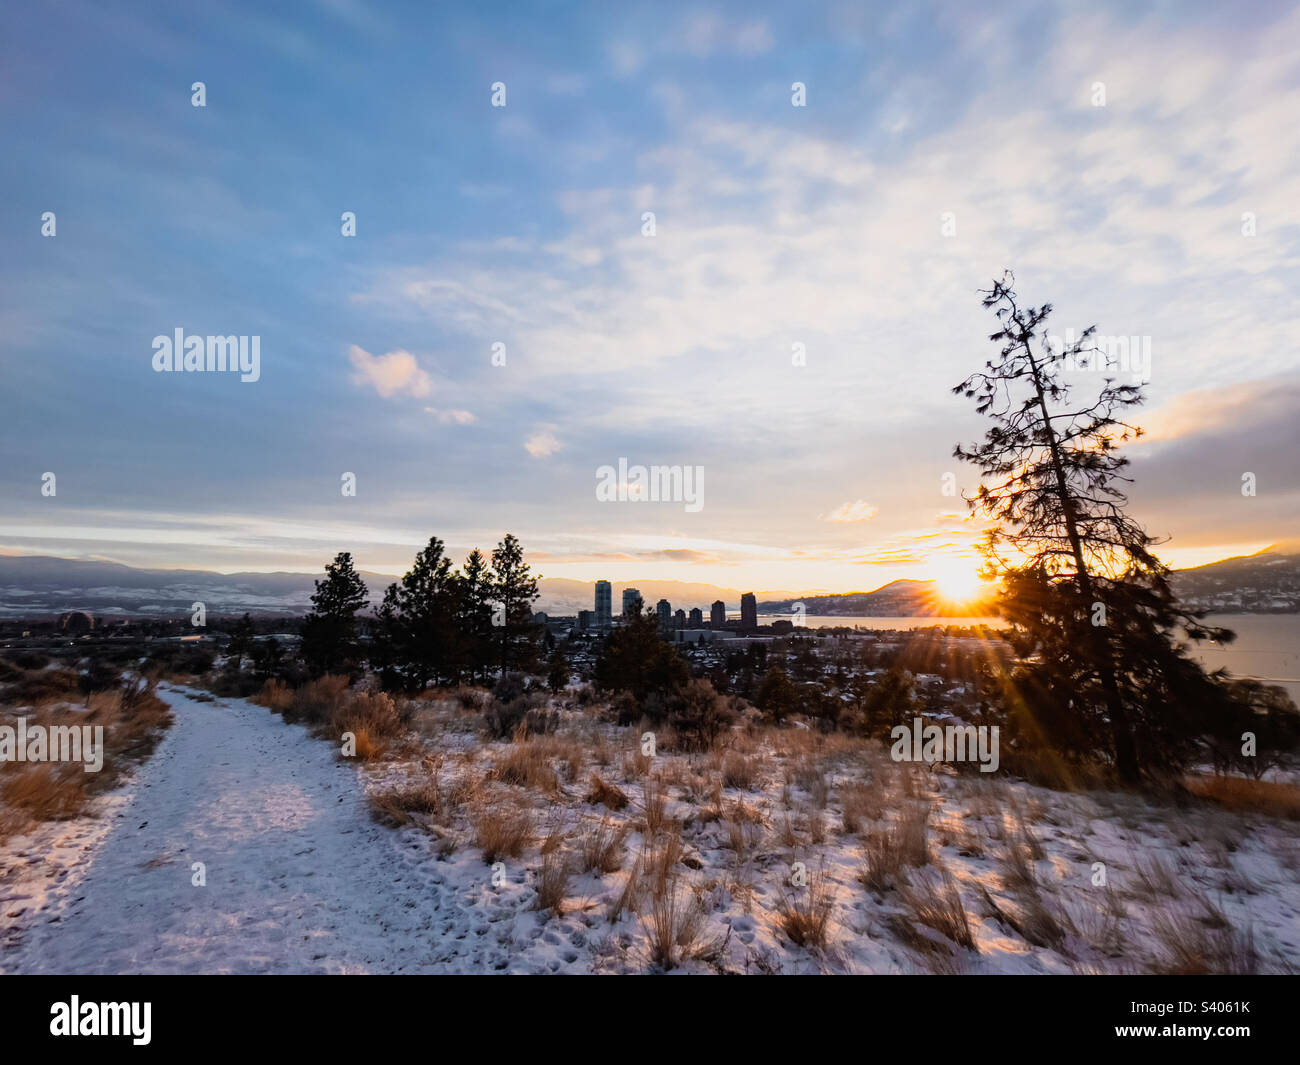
(957, 581)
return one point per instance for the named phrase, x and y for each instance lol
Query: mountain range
(39, 585)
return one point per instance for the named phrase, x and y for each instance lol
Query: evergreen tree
(388, 643)
(557, 674)
(267, 658)
(475, 616)
(329, 633)
(241, 640)
(1091, 605)
(514, 590)
(637, 659)
(777, 696)
(425, 613)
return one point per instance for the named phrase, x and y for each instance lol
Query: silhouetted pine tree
(475, 616)
(423, 615)
(1083, 589)
(514, 590)
(329, 633)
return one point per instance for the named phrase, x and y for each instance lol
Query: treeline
(437, 624)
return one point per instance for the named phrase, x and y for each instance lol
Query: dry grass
(936, 903)
(373, 714)
(654, 804)
(602, 846)
(806, 916)
(744, 829)
(810, 775)
(502, 830)
(553, 881)
(1153, 878)
(1202, 943)
(606, 795)
(673, 927)
(890, 849)
(133, 720)
(275, 696)
(740, 771)
(45, 791)
(861, 804)
(400, 806)
(1242, 795)
(1019, 854)
(526, 764)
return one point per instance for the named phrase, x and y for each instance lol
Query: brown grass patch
(607, 795)
(1243, 795)
(502, 830)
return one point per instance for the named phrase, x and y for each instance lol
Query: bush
(275, 695)
(233, 681)
(526, 712)
(318, 701)
(373, 713)
(509, 687)
(699, 715)
(48, 685)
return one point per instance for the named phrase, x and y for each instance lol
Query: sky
(505, 321)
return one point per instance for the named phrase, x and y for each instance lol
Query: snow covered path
(299, 879)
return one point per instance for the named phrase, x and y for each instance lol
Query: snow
(300, 878)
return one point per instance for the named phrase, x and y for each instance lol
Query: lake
(1267, 645)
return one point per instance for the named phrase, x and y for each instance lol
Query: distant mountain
(1267, 582)
(35, 585)
(902, 598)
(31, 585)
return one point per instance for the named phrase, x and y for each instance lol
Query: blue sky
(522, 225)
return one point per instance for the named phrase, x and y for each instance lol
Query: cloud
(452, 417)
(706, 33)
(859, 510)
(389, 374)
(542, 444)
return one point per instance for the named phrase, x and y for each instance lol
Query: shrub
(317, 701)
(522, 716)
(699, 715)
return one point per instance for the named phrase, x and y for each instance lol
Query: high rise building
(630, 596)
(718, 615)
(665, 610)
(696, 620)
(679, 619)
(604, 604)
(748, 611)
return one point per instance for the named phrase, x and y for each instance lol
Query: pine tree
(329, 633)
(475, 615)
(637, 659)
(388, 643)
(514, 590)
(425, 607)
(1091, 605)
(241, 640)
